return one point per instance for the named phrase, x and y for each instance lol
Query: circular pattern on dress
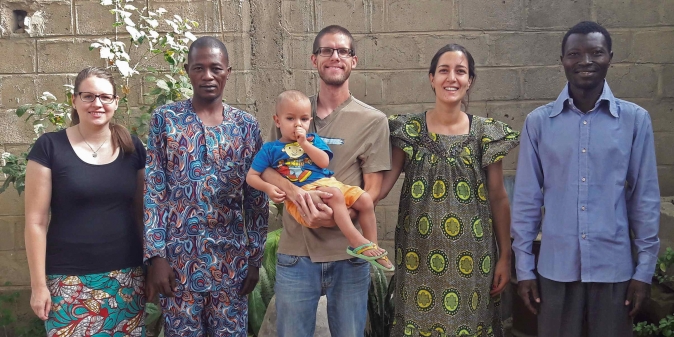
(410, 328)
(485, 264)
(419, 156)
(412, 261)
(477, 229)
(424, 225)
(485, 143)
(475, 298)
(498, 156)
(399, 257)
(481, 192)
(480, 329)
(433, 159)
(496, 300)
(406, 223)
(413, 128)
(463, 330)
(409, 151)
(464, 264)
(439, 328)
(425, 298)
(451, 301)
(466, 155)
(462, 191)
(452, 226)
(403, 293)
(510, 134)
(437, 261)
(418, 189)
(440, 190)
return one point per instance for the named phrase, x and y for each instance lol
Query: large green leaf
(270, 248)
(256, 308)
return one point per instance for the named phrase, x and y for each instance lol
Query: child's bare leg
(366, 217)
(368, 222)
(343, 220)
(341, 215)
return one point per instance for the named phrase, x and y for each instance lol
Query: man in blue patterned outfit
(205, 228)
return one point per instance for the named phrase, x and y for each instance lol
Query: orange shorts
(351, 194)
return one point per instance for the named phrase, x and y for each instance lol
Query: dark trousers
(575, 309)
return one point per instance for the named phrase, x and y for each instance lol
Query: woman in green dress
(453, 212)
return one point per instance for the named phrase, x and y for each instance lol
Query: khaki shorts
(351, 194)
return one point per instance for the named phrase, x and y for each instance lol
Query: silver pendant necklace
(95, 153)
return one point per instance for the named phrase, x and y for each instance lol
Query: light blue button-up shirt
(596, 176)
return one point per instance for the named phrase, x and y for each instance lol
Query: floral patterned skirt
(105, 304)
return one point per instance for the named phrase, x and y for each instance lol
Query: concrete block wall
(516, 44)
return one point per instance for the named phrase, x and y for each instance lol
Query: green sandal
(358, 252)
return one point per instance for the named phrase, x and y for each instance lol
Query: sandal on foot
(358, 252)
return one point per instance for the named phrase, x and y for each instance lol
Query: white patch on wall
(35, 24)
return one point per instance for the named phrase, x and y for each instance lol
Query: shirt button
(583, 236)
(584, 150)
(582, 208)
(583, 179)
(585, 122)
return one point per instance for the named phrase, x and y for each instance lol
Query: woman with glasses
(85, 259)
(453, 211)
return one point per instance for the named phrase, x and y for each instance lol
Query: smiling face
(333, 70)
(451, 79)
(94, 113)
(290, 115)
(586, 60)
(208, 70)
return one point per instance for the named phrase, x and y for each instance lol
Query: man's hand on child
(276, 194)
(317, 214)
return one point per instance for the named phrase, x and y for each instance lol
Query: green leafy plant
(259, 299)
(662, 266)
(45, 115)
(143, 25)
(9, 322)
(154, 324)
(665, 327)
(154, 38)
(380, 307)
(7, 316)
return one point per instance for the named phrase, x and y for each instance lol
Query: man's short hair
(587, 27)
(207, 42)
(333, 29)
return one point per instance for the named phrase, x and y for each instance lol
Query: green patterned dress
(445, 245)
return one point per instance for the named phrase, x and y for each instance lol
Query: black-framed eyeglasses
(90, 97)
(341, 52)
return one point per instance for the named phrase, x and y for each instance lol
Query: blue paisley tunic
(444, 241)
(199, 212)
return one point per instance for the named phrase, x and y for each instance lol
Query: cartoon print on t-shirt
(293, 168)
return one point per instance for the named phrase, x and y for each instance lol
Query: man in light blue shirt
(588, 159)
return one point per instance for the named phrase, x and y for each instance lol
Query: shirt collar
(606, 95)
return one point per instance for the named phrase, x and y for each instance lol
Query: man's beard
(335, 80)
